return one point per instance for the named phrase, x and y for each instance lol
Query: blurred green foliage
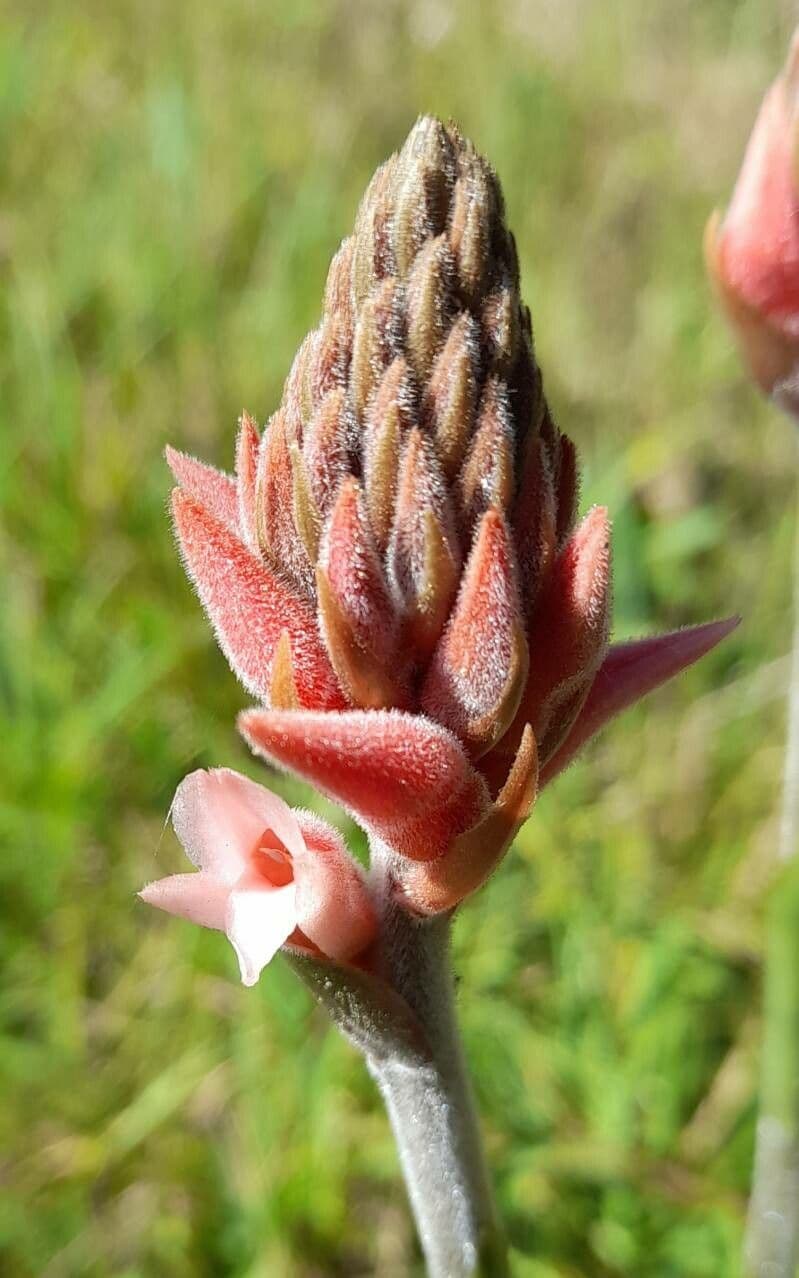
(174, 180)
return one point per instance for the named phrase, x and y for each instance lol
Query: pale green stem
(772, 1235)
(400, 1013)
(432, 1110)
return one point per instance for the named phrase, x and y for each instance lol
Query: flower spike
(398, 571)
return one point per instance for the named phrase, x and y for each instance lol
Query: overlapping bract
(396, 571)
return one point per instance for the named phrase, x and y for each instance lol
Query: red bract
(406, 779)
(396, 571)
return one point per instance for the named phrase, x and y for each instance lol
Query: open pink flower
(266, 875)
(753, 251)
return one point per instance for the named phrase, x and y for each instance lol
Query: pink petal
(250, 606)
(752, 255)
(259, 919)
(212, 488)
(219, 817)
(334, 909)
(628, 673)
(404, 777)
(200, 898)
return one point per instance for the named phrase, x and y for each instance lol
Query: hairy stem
(400, 1013)
(432, 1109)
(772, 1236)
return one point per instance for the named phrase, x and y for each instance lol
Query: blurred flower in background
(753, 250)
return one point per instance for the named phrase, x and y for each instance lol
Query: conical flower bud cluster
(396, 570)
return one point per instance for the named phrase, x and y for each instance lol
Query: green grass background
(173, 181)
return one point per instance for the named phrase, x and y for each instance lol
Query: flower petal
(356, 613)
(259, 919)
(250, 606)
(569, 632)
(423, 554)
(486, 478)
(535, 519)
(200, 898)
(628, 673)
(567, 640)
(219, 817)
(327, 448)
(334, 909)
(278, 534)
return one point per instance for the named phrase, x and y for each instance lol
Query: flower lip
(273, 860)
